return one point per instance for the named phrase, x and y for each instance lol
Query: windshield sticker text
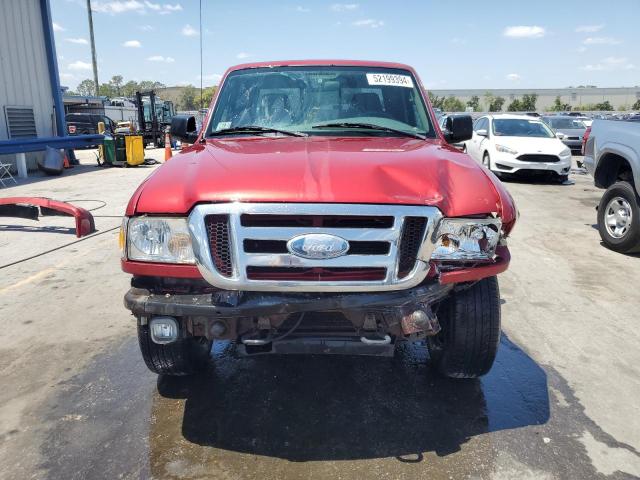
(390, 80)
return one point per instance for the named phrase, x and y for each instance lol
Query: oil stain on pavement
(318, 417)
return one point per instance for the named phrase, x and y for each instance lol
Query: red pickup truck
(319, 209)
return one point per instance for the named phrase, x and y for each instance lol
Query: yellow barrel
(135, 149)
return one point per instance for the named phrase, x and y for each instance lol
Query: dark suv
(87, 123)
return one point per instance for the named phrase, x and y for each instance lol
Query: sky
(462, 44)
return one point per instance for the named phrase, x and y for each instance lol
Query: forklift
(153, 117)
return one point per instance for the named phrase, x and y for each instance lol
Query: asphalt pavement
(77, 402)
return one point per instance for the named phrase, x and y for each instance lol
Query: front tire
(486, 161)
(182, 357)
(468, 342)
(619, 218)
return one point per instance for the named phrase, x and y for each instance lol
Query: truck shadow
(345, 408)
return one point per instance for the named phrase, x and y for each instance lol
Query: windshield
(567, 123)
(298, 99)
(516, 127)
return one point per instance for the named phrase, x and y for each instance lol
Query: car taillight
(72, 129)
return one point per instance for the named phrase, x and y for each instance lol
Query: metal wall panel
(24, 74)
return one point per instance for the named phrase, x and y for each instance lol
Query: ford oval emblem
(317, 246)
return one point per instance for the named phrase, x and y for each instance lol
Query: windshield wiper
(256, 129)
(369, 126)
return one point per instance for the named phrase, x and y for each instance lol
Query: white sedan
(509, 144)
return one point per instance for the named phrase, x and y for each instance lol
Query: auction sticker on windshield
(391, 80)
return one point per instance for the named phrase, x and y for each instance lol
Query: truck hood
(319, 169)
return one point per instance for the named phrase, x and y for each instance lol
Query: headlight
(503, 149)
(466, 239)
(565, 153)
(154, 239)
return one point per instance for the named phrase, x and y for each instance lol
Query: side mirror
(458, 128)
(482, 132)
(560, 135)
(183, 128)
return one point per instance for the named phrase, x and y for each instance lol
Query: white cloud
(78, 41)
(118, 6)
(524, 31)
(160, 58)
(368, 22)
(189, 31)
(58, 28)
(213, 78)
(243, 55)
(582, 49)
(343, 7)
(123, 6)
(146, 28)
(610, 63)
(67, 76)
(301, 9)
(132, 44)
(514, 77)
(79, 65)
(601, 41)
(589, 28)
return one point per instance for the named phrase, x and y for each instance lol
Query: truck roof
(341, 63)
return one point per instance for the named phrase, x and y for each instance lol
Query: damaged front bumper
(367, 322)
(229, 304)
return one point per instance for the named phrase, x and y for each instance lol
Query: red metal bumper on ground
(84, 220)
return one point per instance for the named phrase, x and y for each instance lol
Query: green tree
(496, 104)
(86, 88)
(107, 90)
(604, 106)
(188, 98)
(150, 85)
(474, 103)
(116, 83)
(636, 106)
(207, 96)
(453, 104)
(528, 102)
(130, 88)
(558, 106)
(515, 106)
(436, 102)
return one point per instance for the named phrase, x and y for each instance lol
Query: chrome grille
(242, 246)
(410, 241)
(219, 243)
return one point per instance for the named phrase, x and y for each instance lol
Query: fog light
(163, 329)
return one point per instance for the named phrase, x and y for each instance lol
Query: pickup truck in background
(319, 209)
(612, 156)
(87, 123)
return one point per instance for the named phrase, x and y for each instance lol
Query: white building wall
(24, 72)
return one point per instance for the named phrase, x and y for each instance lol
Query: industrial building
(617, 97)
(31, 108)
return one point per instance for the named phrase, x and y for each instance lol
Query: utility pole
(93, 48)
(201, 93)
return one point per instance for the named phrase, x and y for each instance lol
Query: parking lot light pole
(93, 49)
